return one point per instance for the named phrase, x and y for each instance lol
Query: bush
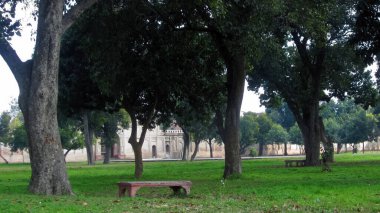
(253, 152)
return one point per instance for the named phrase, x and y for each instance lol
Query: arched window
(154, 151)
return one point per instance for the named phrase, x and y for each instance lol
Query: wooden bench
(133, 186)
(289, 163)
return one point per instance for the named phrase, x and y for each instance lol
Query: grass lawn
(265, 186)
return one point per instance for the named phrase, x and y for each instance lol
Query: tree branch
(70, 17)
(12, 59)
(301, 47)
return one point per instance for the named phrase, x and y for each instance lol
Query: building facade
(158, 144)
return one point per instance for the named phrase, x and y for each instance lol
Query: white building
(158, 144)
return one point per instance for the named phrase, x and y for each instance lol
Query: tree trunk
(363, 147)
(261, 149)
(186, 145)
(312, 148)
(327, 143)
(139, 167)
(107, 154)
(137, 145)
(38, 101)
(233, 55)
(197, 142)
(210, 145)
(285, 149)
(66, 153)
(5, 160)
(1, 156)
(339, 148)
(309, 124)
(88, 133)
(38, 84)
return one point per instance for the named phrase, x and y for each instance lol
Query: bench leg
(122, 190)
(186, 189)
(176, 189)
(132, 191)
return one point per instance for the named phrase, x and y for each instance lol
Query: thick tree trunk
(310, 129)
(186, 145)
(312, 148)
(234, 57)
(39, 106)
(210, 145)
(88, 133)
(197, 142)
(107, 154)
(235, 91)
(38, 83)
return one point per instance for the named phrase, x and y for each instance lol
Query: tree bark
(186, 145)
(230, 131)
(139, 167)
(137, 145)
(107, 154)
(88, 133)
(38, 84)
(261, 149)
(39, 106)
(308, 121)
(210, 145)
(286, 149)
(197, 142)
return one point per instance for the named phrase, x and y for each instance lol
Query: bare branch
(12, 59)
(70, 17)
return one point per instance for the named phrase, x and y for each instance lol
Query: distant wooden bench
(289, 163)
(133, 186)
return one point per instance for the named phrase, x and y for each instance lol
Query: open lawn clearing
(266, 186)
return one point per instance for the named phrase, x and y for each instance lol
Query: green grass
(265, 186)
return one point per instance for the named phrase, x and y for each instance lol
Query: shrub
(253, 152)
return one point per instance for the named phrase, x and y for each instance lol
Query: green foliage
(295, 135)
(366, 34)
(277, 134)
(5, 120)
(12, 129)
(109, 124)
(266, 186)
(9, 26)
(349, 123)
(72, 137)
(249, 129)
(253, 152)
(281, 115)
